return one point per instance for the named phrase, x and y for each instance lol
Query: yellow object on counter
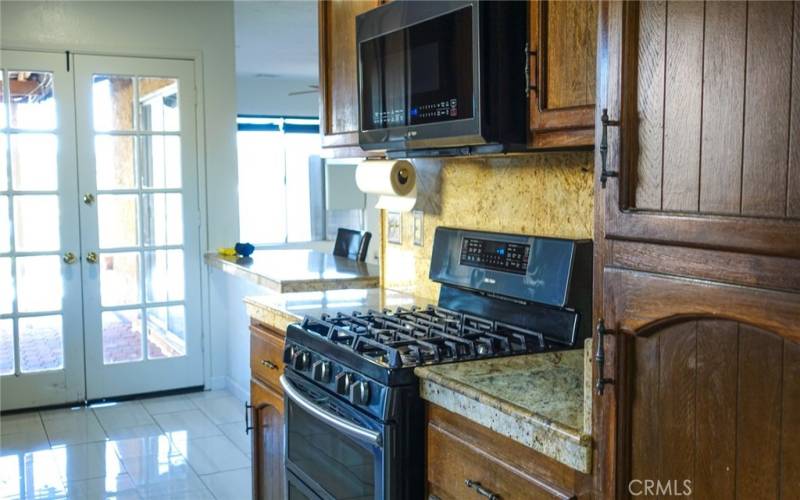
(228, 251)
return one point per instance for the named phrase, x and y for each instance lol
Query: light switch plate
(418, 230)
(394, 227)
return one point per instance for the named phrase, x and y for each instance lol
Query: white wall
(270, 96)
(203, 31)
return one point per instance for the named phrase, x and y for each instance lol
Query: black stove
(350, 376)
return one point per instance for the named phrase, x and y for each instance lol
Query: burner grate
(418, 336)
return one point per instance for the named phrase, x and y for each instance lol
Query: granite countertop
(540, 400)
(298, 270)
(281, 310)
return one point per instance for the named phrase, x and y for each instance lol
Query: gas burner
(416, 336)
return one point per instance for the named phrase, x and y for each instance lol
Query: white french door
(139, 224)
(99, 228)
(41, 329)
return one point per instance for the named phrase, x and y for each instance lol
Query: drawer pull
(247, 426)
(481, 490)
(269, 364)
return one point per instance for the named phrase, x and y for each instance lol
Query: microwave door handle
(360, 433)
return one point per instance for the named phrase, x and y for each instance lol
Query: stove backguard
(544, 284)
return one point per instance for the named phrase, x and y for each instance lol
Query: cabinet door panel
(563, 37)
(338, 71)
(704, 148)
(706, 406)
(268, 439)
(705, 386)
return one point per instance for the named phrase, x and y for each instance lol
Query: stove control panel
(497, 255)
(337, 378)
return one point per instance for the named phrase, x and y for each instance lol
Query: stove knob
(301, 360)
(288, 355)
(359, 393)
(321, 371)
(343, 381)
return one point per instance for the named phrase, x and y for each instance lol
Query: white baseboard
(239, 392)
(217, 383)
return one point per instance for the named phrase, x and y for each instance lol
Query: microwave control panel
(496, 255)
(445, 109)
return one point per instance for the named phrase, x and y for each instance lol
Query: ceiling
(277, 39)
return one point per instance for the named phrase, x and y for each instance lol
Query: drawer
(452, 463)
(266, 357)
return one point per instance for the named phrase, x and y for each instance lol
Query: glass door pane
(137, 159)
(40, 291)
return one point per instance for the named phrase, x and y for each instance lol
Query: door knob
(91, 258)
(88, 198)
(70, 258)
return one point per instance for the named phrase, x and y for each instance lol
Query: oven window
(420, 74)
(344, 468)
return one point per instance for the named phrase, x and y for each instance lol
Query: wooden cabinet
(268, 461)
(698, 250)
(562, 67)
(463, 456)
(338, 66)
(266, 400)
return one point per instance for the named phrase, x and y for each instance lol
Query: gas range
(351, 376)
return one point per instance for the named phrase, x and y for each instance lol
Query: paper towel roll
(386, 177)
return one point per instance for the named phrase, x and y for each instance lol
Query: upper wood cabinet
(338, 67)
(697, 248)
(707, 147)
(563, 42)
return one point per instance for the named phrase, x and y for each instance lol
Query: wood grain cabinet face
(266, 356)
(463, 457)
(697, 249)
(338, 69)
(268, 439)
(563, 40)
(708, 147)
(714, 410)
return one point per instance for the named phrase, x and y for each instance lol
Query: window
(280, 180)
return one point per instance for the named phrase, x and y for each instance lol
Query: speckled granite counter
(298, 270)
(279, 311)
(540, 400)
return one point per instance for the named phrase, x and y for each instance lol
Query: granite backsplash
(548, 194)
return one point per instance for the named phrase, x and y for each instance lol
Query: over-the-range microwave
(443, 77)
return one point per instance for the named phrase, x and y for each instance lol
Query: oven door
(332, 449)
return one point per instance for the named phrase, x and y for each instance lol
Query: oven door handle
(360, 433)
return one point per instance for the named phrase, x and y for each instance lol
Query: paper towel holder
(423, 192)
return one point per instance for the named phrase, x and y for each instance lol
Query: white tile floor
(177, 447)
